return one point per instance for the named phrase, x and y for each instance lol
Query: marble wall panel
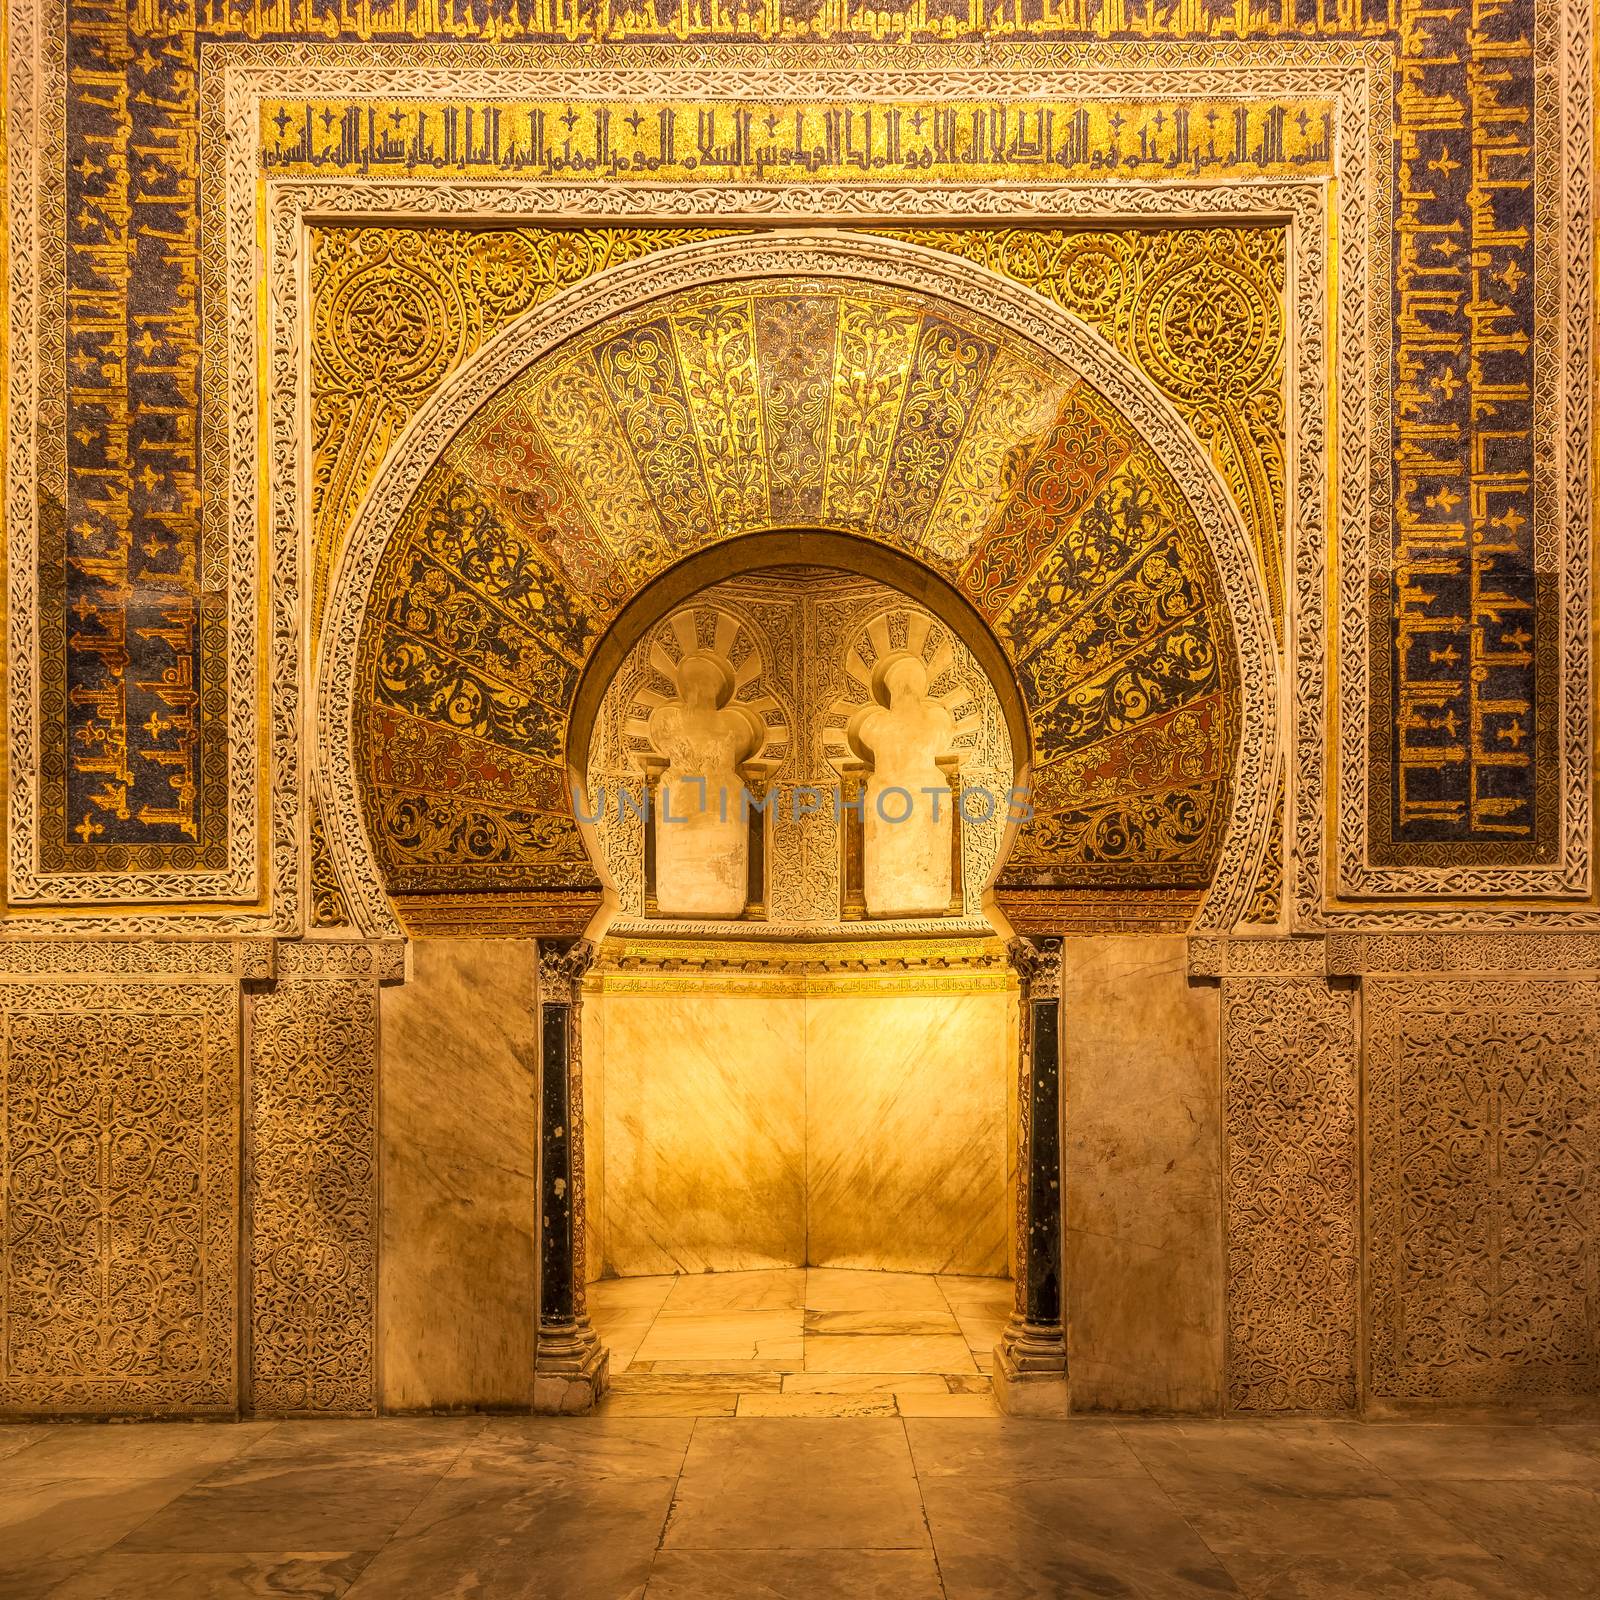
(311, 1189)
(1483, 1189)
(1291, 1162)
(119, 1194)
(592, 1044)
(704, 1125)
(1143, 1240)
(906, 1125)
(457, 1281)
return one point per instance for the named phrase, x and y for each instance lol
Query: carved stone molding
(562, 966)
(248, 960)
(1037, 962)
(1254, 958)
(1532, 952)
(1483, 1189)
(1290, 1162)
(384, 961)
(627, 955)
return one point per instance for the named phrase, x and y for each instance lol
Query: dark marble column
(1030, 1369)
(569, 1363)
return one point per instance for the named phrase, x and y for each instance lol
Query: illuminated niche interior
(808, 1074)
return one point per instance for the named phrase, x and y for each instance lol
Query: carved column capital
(1037, 962)
(562, 965)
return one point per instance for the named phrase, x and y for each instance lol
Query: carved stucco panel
(118, 1196)
(1290, 1190)
(1483, 1187)
(312, 1190)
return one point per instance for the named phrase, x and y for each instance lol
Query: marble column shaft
(570, 1365)
(1031, 1360)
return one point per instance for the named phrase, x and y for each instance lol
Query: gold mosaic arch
(854, 386)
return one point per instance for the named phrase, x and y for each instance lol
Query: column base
(1029, 1374)
(571, 1371)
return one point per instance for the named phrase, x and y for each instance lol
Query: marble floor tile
(422, 1443)
(747, 1376)
(879, 1404)
(121, 1575)
(1355, 1575)
(625, 1322)
(117, 1450)
(845, 1289)
(1297, 1460)
(946, 1405)
(1472, 1450)
(618, 1294)
(587, 1447)
(781, 1289)
(1041, 1539)
(955, 1287)
(15, 1436)
(35, 1580)
(741, 1370)
(61, 1518)
(1552, 1529)
(866, 1383)
(700, 1401)
(1018, 1449)
(889, 1323)
(723, 1336)
(981, 1331)
(284, 1505)
(588, 1538)
(1255, 1534)
(776, 1575)
(878, 1503)
(797, 1483)
(932, 1352)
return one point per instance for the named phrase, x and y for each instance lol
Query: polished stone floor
(811, 1508)
(804, 1342)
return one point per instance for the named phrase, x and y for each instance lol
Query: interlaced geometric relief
(1483, 1187)
(311, 1144)
(1290, 1192)
(865, 408)
(119, 1193)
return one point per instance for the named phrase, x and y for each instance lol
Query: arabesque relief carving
(1483, 1187)
(119, 1195)
(1289, 1109)
(311, 1155)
